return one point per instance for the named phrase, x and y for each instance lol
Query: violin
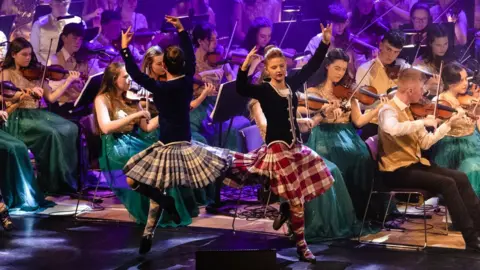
(216, 58)
(9, 90)
(53, 72)
(392, 71)
(358, 45)
(366, 95)
(426, 107)
(313, 103)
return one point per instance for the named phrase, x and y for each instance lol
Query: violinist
(400, 11)
(363, 15)
(111, 29)
(335, 127)
(450, 11)
(460, 149)
(130, 18)
(3, 46)
(49, 28)
(195, 8)
(246, 11)
(71, 40)
(438, 50)
(51, 138)
(205, 42)
(376, 72)
(342, 39)
(401, 139)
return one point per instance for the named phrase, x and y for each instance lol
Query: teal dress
(18, 186)
(460, 153)
(341, 144)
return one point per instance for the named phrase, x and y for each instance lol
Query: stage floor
(64, 243)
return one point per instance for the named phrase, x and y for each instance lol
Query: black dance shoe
(282, 217)
(7, 223)
(145, 244)
(306, 256)
(172, 210)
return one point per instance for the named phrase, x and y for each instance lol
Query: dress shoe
(145, 244)
(306, 256)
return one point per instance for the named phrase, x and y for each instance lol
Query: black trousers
(461, 201)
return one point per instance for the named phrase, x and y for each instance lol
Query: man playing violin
(377, 72)
(49, 28)
(111, 30)
(67, 57)
(401, 139)
(341, 38)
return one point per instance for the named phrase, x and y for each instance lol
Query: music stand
(188, 23)
(76, 8)
(308, 29)
(89, 91)
(228, 105)
(6, 23)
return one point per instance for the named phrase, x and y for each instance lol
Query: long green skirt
(340, 144)
(460, 153)
(53, 142)
(18, 185)
(331, 215)
(116, 151)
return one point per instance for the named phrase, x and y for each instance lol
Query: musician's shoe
(145, 244)
(282, 217)
(7, 223)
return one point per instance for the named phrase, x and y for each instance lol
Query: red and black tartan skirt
(297, 174)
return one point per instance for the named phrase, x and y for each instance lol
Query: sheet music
(85, 87)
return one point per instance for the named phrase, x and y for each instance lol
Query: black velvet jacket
(172, 98)
(281, 112)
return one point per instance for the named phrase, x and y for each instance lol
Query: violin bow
(305, 96)
(1, 89)
(357, 87)
(285, 34)
(438, 89)
(445, 11)
(46, 63)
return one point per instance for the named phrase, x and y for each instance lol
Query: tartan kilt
(297, 174)
(191, 164)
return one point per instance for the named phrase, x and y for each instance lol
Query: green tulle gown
(18, 185)
(53, 142)
(460, 153)
(340, 144)
(116, 151)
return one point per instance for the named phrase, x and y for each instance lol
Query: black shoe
(145, 244)
(7, 223)
(306, 256)
(282, 217)
(473, 244)
(169, 206)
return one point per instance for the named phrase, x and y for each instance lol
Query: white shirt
(3, 48)
(388, 122)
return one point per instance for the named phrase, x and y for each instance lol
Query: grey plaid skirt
(191, 164)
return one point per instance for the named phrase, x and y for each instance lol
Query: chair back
(372, 144)
(252, 137)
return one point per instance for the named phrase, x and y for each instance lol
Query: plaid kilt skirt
(297, 174)
(191, 164)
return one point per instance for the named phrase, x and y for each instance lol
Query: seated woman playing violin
(68, 58)
(51, 138)
(460, 148)
(335, 123)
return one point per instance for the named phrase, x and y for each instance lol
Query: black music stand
(6, 24)
(299, 33)
(188, 23)
(228, 105)
(89, 91)
(76, 8)
(41, 10)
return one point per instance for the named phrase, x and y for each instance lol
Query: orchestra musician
(460, 148)
(51, 138)
(454, 14)
(335, 126)
(48, 28)
(438, 50)
(111, 30)
(400, 11)
(5, 218)
(71, 40)
(3, 45)
(401, 139)
(420, 19)
(363, 15)
(130, 18)
(195, 8)
(245, 12)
